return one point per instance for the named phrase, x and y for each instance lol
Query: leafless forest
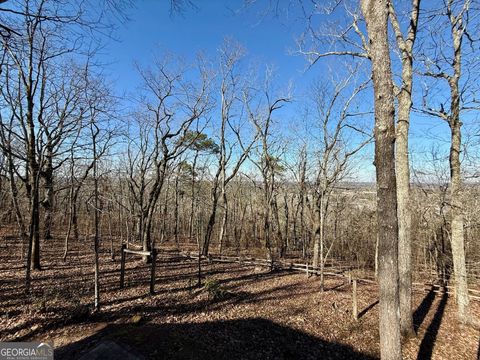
(217, 212)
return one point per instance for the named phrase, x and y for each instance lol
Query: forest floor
(257, 315)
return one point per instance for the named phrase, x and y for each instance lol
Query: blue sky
(268, 40)
(152, 29)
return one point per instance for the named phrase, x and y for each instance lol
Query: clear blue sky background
(268, 39)
(152, 29)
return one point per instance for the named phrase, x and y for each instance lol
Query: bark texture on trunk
(405, 45)
(376, 16)
(457, 237)
(404, 216)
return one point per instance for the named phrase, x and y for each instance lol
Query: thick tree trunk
(376, 16)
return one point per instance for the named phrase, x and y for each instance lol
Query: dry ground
(277, 315)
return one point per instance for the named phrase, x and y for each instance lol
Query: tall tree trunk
(404, 213)
(146, 236)
(33, 254)
(303, 172)
(96, 240)
(241, 231)
(457, 237)
(316, 240)
(278, 227)
(110, 233)
(458, 246)
(323, 210)
(319, 239)
(19, 217)
(192, 203)
(376, 17)
(164, 215)
(49, 198)
(176, 210)
(213, 212)
(72, 208)
(34, 231)
(223, 226)
(405, 45)
(286, 226)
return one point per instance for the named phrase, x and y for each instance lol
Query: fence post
(354, 299)
(153, 254)
(122, 266)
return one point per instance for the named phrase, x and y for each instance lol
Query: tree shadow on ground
(423, 309)
(253, 338)
(369, 307)
(428, 341)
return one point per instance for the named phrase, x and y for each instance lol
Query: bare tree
(171, 104)
(447, 65)
(58, 131)
(200, 144)
(35, 35)
(405, 44)
(336, 146)
(376, 18)
(232, 151)
(349, 40)
(100, 110)
(261, 114)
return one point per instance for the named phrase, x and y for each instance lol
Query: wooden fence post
(354, 299)
(153, 254)
(122, 266)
